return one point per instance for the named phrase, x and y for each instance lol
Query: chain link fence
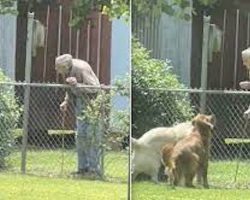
(40, 138)
(230, 148)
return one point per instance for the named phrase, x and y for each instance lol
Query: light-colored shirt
(84, 74)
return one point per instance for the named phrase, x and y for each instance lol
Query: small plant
(119, 126)
(9, 115)
(98, 113)
(95, 111)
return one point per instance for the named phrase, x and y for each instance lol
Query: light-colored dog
(146, 157)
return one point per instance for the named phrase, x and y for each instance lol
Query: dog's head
(205, 121)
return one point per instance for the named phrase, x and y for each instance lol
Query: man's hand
(71, 81)
(245, 85)
(247, 114)
(63, 106)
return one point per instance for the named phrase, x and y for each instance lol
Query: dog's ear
(135, 143)
(212, 119)
(194, 120)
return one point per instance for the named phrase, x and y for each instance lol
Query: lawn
(222, 174)
(223, 185)
(18, 187)
(48, 177)
(151, 191)
(58, 163)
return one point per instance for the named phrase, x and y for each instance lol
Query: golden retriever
(189, 156)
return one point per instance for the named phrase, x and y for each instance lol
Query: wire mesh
(230, 144)
(51, 146)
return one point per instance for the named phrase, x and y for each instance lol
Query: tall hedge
(9, 115)
(152, 104)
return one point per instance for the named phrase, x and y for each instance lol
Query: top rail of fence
(209, 91)
(112, 87)
(56, 85)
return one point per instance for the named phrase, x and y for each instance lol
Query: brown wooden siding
(38, 61)
(221, 76)
(45, 114)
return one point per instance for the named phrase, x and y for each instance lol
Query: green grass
(222, 182)
(58, 163)
(223, 174)
(151, 191)
(51, 180)
(57, 185)
(18, 187)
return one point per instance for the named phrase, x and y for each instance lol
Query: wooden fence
(91, 42)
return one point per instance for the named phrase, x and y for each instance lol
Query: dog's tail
(166, 159)
(172, 165)
(166, 153)
(135, 143)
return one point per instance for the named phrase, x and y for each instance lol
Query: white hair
(246, 59)
(63, 61)
(246, 53)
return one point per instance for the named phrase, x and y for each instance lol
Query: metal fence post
(102, 126)
(27, 90)
(203, 97)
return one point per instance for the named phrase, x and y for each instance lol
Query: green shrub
(152, 105)
(121, 118)
(101, 113)
(9, 116)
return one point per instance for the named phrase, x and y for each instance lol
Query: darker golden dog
(189, 156)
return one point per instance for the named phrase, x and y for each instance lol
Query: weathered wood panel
(168, 38)
(44, 108)
(226, 70)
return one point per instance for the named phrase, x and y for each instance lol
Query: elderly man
(75, 72)
(246, 84)
(246, 61)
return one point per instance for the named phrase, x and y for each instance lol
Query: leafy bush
(121, 117)
(179, 8)
(9, 116)
(81, 9)
(100, 113)
(152, 104)
(8, 7)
